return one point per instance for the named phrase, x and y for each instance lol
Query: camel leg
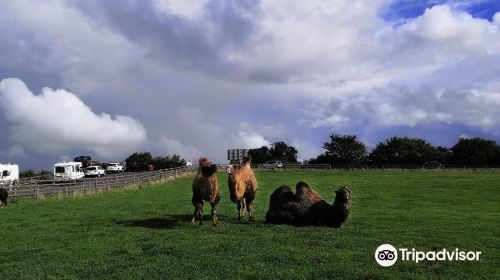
(249, 197)
(193, 220)
(241, 209)
(214, 215)
(215, 220)
(250, 211)
(198, 213)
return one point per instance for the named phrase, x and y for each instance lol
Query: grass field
(146, 234)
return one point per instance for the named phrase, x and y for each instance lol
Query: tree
(475, 152)
(403, 150)
(168, 162)
(281, 151)
(321, 159)
(344, 149)
(260, 155)
(139, 161)
(442, 154)
(31, 173)
(278, 151)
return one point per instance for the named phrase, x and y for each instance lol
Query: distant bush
(141, 161)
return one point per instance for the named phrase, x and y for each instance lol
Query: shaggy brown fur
(242, 188)
(205, 188)
(4, 194)
(307, 207)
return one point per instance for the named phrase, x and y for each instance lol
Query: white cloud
(400, 106)
(53, 38)
(273, 131)
(172, 146)
(305, 149)
(450, 33)
(202, 137)
(248, 139)
(496, 18)
(190, 9)
(57, 121)
(210, 75)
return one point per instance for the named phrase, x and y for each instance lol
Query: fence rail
(38, 188)
(363, 166)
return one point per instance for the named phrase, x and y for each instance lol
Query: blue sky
(407, 9)
(109, 78)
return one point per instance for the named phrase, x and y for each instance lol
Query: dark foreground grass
(146, 234)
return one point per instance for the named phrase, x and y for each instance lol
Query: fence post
(37, 190)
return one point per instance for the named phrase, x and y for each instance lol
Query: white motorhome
(9, 174)
(68, 170)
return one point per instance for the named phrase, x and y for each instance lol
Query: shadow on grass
(166, 222)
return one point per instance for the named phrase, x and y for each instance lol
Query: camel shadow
(165, 222)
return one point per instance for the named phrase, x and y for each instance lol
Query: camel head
(207, 167)
(247, 160)
(343, 195)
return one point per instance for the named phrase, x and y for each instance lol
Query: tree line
(403, 151)
(347, 149)
(142, 161)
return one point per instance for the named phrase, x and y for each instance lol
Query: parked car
(115, 167)
(432, 165)
(95, 171)
(68, 170)
(273, 164)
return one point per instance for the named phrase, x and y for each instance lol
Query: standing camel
(205, 188)
(242, 188)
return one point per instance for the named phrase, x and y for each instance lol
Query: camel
(242, 188)
(205, 188)
(307, 208)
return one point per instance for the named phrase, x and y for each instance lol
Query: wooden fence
(39, 188)
(362, 166)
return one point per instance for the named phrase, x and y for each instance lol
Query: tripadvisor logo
(387, 255)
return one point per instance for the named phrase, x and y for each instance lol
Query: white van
(9, 174)
(68, 170)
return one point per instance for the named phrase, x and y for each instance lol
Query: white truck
(9, 174)
(68, 170)
(115, 167)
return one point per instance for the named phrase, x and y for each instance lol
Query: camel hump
(280, 197)
(302, 188)
(304, 191)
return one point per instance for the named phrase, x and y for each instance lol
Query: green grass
(146, 233)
